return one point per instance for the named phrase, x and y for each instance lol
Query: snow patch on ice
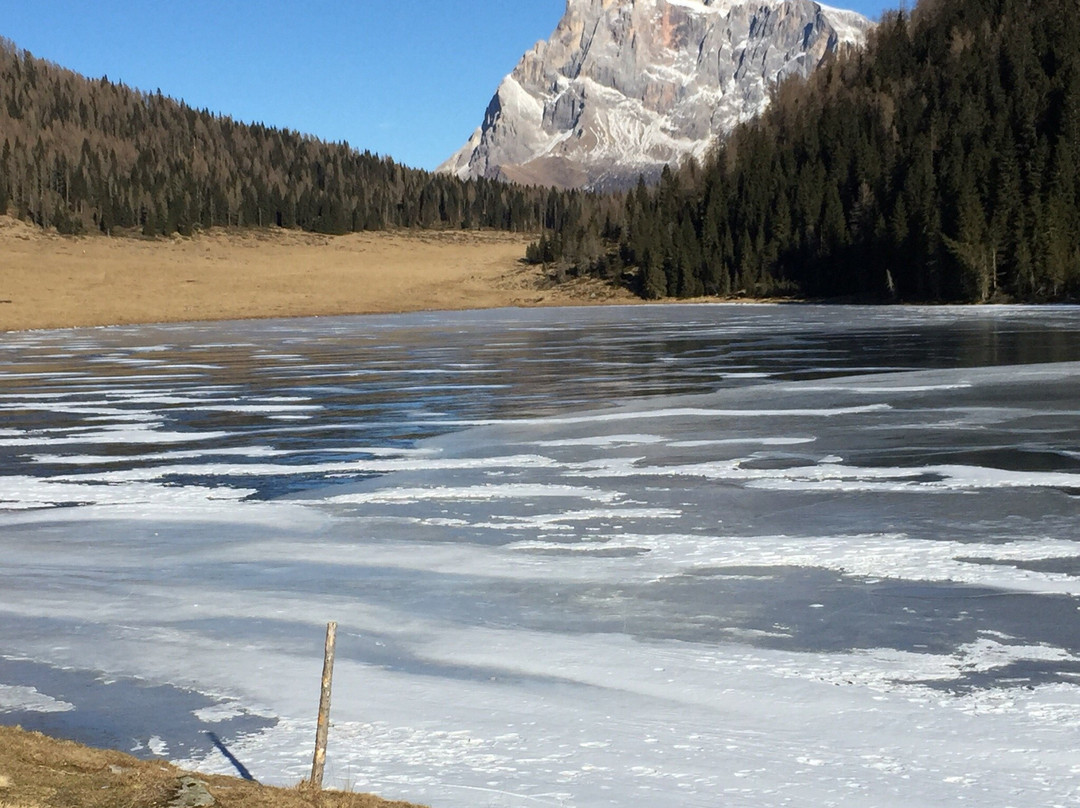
(19, 698)
(830, 475)
(218, 713)
(603, 440)
(673, 412)
(492, 491)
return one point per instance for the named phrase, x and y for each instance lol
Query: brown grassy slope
(52, 281)
(40, 772)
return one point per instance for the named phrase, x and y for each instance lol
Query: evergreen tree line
(940, 163)
(81, 155)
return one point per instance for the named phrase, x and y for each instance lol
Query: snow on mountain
(624, 87)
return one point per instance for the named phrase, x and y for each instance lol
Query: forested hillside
(82, 154)
(941, 163)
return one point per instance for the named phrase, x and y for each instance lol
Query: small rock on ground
(191, 793)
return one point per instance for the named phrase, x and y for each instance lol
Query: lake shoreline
(51, 281)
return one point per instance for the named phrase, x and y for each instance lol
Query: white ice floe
(20, 698)
(759, 441)
(829, 475)
(149, 457)
(488, 492)
(121, 435)
(667, 413)
(893, 556)
(603, 440)
(253, 409)
(883, 387)
(218, 713)
(922, 479)
(351, 467)
(565, 520)
(249, 451)
(27, 493)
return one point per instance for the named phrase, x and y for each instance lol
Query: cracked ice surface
(688, 556)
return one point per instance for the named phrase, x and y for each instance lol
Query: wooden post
(319, 761)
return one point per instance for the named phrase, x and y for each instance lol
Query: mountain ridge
(624, 88)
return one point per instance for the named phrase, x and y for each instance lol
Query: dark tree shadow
(241, 769)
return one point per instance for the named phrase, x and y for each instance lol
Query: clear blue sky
(407, 78)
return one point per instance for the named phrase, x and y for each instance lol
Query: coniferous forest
(941, 163)
(82, 155)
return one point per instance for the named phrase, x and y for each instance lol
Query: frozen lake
(644, 556)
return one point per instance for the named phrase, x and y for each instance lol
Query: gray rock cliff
(625, 87)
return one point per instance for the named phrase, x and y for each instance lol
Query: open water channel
(692, 555)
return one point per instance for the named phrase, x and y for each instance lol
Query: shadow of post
(241, 769)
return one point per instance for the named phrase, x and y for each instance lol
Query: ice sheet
(754, 571)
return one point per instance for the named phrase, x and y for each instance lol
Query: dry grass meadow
(53, 281)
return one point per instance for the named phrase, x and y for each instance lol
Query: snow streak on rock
(623, 88)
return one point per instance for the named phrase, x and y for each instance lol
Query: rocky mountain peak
(624, 87)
